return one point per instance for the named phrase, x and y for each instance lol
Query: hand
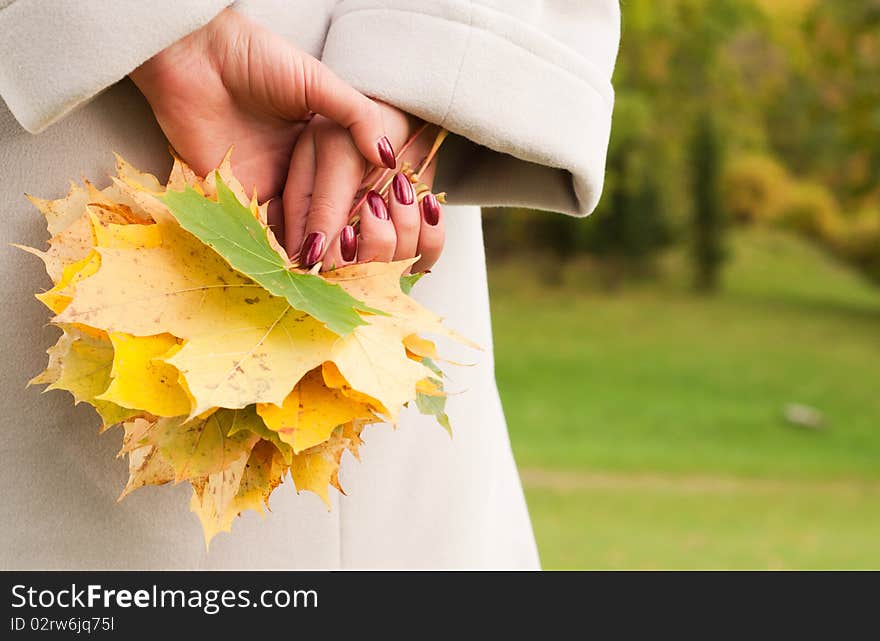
(326, 174)
(233, 82)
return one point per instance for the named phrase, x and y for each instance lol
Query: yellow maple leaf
(218, 498)
(243, 345)
(373, 361)
(263, 473)
(378, 285)
(80, 363)
(63, 212)
(140, 379)
(202, 446)
(311, 412)
(213, 497)
(317, 468)
(146, 467)
(59, 297)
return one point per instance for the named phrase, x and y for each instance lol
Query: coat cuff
(54, 56)
(536, 115)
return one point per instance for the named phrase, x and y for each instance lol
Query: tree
(708, 218)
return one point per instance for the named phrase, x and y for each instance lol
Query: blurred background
(692, 375)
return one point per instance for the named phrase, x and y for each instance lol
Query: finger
(297, 194)
(431, 235)
(325, 93)
(348, 245)
(405, 216)
(275, 219)
(377, 236)
(339, 169)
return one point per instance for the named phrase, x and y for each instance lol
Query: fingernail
(348, 243)
(386, 152)
(377, 205)
(312, 248)
(403, 189)
(431, 209)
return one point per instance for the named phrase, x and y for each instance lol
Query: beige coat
(524, 84)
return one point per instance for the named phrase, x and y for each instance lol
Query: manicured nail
(431, 209)
(312, 248)
(386, 152)
(348, 243)
(403, 189)
(377, 205)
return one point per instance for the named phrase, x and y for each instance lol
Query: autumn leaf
(311, 412)
(146, 467)
(213, 498)
(59, 297)
(263, 473)
(237, 235)
(140, 379)
(202, 446)
(81, 363)
(317, 468)
(373, 361)
(259, 428)
(242, 345)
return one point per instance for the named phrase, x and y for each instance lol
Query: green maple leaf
(232, 230)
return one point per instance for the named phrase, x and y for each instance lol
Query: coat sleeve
(526, 85)
(56, 55)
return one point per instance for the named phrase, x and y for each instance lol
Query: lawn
(649, 423)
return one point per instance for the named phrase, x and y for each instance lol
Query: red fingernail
(431, 209)
(312, 248)
(386, 152)
(348, 243)
(377, 205)
(403, 189)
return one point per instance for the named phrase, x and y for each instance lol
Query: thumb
(327, 94)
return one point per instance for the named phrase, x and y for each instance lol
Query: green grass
(657, 380)
(787, 527)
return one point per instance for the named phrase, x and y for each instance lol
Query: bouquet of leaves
(185, 322)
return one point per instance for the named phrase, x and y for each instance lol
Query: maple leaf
(59, 297)
(311, 412)
(243, 345)
(220, 497)
(237, 235)
(213, 498)
(271, 436)
(202, 446)
(317, 468)
(80, 363)
(140, 379)
(373, 361)
(146, 467)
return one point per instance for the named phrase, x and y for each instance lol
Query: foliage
(227, 366)
(794, 89)
(754, 188)
(708, 223)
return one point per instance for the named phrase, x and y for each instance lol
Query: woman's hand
(326, 174)
(233, 82)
